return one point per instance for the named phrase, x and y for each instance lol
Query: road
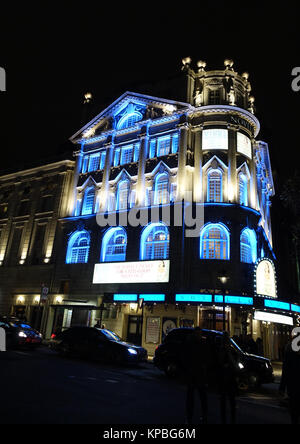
(40, 387)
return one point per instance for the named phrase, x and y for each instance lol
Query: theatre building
(169, 218)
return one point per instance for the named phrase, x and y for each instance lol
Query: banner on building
(131, 272)
(265, 278)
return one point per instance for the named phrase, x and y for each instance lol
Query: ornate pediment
(139, 107)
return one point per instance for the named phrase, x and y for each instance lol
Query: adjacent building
(31, 202)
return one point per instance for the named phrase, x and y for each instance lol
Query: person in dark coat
(290, 381)
(195, 364)
(227, 371)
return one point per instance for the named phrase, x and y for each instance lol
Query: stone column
(232, 173)
(198, 164)
(73, 197)
(253, 180)
(104, 191)
(140, 186)
(181, 174)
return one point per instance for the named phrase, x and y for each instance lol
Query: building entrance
(134, 330)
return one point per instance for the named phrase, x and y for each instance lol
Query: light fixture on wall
(37, 299)
(21, 300)
(58, 299)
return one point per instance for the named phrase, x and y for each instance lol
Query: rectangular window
(215, 139)
(126, 154)
(102, 159)
(152, 151)
(163, 146)
(136, 152)
(117, 157)
(94, 162)
(244, 145)
(85, 164)
(174, 143)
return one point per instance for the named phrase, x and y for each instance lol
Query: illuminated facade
(131, 254)
(144, 155)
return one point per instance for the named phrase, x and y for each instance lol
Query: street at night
(41, 387)
(149, 220)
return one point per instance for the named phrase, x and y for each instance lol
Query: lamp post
(223, 279)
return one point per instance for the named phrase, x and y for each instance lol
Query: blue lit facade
(145, 153)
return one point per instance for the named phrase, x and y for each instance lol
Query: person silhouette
(227, 369)
(290, 381)
(195, 363)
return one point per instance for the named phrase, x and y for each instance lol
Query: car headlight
(241, 366)
(132, 351)
(22, 334)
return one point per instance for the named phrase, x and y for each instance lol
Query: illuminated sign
(295, 308)
(153, 297)
(244, 145)
(239, 121)
(215, 139)
(240, 300)
(125, 297)
(265, 278)
(193, 298)
(273, 317)
(277, 304)
(131, 272)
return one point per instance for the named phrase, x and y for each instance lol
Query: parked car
(255, 370)
(19, 334)
(96, 343)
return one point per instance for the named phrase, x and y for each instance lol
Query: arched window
(214, 242)
(114, 245)
(243, 189)
(123, 195)
(162, 189)
(88, 201)
(78, 248)
(248, 246)
(214, 186)
(155, 241)
(129, 120)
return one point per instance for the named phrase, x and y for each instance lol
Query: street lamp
(223, 279)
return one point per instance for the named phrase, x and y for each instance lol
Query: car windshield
(111, 335)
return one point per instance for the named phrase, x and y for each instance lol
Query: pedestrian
(195, 364)
(227, 372)
(97, 325)
(260, 347)
(290, 381)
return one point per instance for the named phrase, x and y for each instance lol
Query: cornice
(228, 109)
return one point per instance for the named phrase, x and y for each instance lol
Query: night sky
(54, 54)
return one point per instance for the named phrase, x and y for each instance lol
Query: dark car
(96, 343)
(19, 334)
(255, 370)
